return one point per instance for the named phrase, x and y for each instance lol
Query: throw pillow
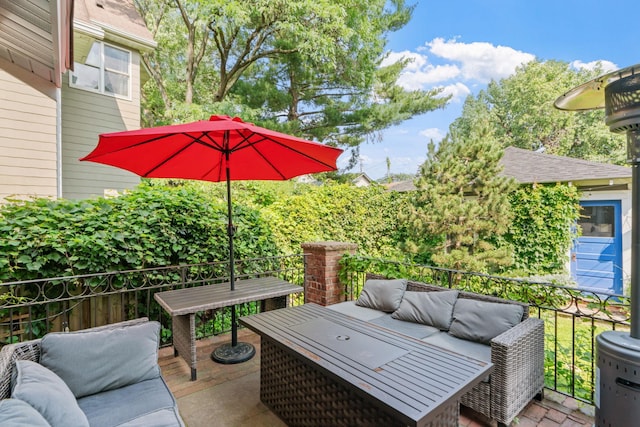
(48, 394)
(383, 295)
(93, 361)
(482, 321)
(429, 308)
(17, 413)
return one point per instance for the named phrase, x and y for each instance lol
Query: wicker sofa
(465, 323)
(104, 376)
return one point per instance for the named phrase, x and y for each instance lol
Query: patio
(228, 395)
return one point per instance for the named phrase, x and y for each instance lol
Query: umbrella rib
(197, 140)
(216, 146)
(253, 145)
(128, 147)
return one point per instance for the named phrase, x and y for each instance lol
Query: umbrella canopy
(204, 149)
(218, 149)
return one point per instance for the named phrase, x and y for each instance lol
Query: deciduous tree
(519, 110)
(306, 67)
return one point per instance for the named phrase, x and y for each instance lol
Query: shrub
(153, 225)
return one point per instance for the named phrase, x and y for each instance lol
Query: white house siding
(625, 210)
(85, 115)
(27, 134)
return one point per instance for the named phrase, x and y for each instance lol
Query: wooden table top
(190, 300)
(414, 380)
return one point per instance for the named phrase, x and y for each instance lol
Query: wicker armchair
(30, 350)
(518, 359)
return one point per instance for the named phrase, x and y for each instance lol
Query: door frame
(617, 242)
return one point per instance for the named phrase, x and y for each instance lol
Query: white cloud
(605, 66)
(419, 73)
(416, 62)
(428, 76)
(458, 91)
(463, 62)
(434, 134)
(480, 61)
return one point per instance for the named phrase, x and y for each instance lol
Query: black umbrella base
(230, 354)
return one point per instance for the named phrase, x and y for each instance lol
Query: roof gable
(115, 20)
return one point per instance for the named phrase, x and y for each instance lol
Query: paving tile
(556, 415)
(572, 423)
(570, 403)
(535, 411)
(524, 422)
(546, 422)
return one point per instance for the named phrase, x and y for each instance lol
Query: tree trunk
(295, 97)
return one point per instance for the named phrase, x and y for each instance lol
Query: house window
(107, 69)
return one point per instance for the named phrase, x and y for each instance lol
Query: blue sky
(462, 45)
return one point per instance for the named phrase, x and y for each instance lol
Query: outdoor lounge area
(186, 241)
(229, 395)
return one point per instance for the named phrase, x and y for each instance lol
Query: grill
(617, 393)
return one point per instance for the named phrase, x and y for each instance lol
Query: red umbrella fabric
(217, 149)
(202, 150)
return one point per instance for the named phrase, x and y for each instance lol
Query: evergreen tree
(461, 207)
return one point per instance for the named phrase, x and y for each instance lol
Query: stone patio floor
(229, 395)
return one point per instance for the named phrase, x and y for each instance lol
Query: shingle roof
(401, 186)
(529, 167)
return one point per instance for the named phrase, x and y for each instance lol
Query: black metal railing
(573, 316)
(29, 309)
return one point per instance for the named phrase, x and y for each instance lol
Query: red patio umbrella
(217, 149)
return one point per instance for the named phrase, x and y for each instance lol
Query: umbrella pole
(232, 274)
(235, 352)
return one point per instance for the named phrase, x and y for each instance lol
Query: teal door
(596, 258)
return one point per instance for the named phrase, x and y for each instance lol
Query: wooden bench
(183, 304)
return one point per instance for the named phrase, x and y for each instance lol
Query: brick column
(321, 284)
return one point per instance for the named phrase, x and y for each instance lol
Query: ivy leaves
(150, 226)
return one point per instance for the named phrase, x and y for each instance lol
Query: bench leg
(184, 339)
(193, 374)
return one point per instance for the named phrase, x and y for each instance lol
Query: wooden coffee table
(320, 367)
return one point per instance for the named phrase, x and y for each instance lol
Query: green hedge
(185, 222)
(367, 216)
(149, 226)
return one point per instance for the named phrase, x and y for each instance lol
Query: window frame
(103, 70)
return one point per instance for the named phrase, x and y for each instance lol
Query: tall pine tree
(461, 208)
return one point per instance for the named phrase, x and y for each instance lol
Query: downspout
(58, 143)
